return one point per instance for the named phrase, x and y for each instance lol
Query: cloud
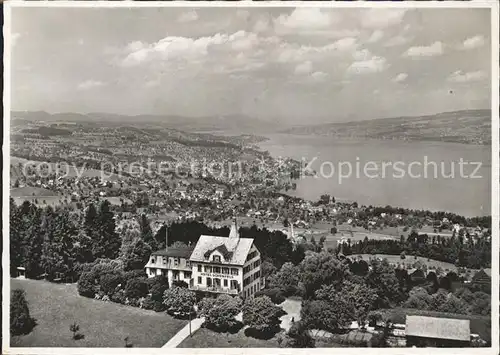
(319, 76)
(173, 47)
(303, 68)
(188, 16)
(368, 66)
(362, 54)
(376, 36)
(89, 84)
(434, 49)
(261, 25)
(473, 42)
(461, 77)
(305, 18)
(382, 18)
(294, 53)
(397, 41)
(400, 78)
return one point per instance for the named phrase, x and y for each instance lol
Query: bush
(148, 303)
(262, 315)
(299, 336)
(219, 313)
(119, 296)
(275, 294)
(134, 274)
(20, 319)
(87, 284)
(179, 301)
(136, 288)
(109, 282)
(180, 283)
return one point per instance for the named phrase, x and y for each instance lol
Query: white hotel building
(217, 265)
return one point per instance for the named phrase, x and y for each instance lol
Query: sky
(303, 65)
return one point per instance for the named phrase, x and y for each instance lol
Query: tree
(146, 232)
(362, 297)
(74, 328)
(87, 284)
(137, 255)
(157, 287)
(382, 278)
(319, 269)
(262, 315)
(327, 315)
(299, 336)
(136, 288)
(179, 301)
(20, 320)
(287, 279)
(418, 299)
(454, 305)
(16, 241)
(100, 226)
(58, 248)
(110, 281)
(220, 313)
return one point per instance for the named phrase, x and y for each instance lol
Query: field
(103, 324)
(205, 338)
(478, 324)
(394, 259)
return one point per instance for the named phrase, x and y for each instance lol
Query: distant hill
(232, 123)
(467, 126)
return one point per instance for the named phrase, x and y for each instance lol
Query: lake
(417, 175)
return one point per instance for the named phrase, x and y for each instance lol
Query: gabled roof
(175, 252)
(234, 250)
(438, 328)
(481, 276)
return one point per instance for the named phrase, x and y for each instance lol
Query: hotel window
(176, 261)
(199, 280)
(216, 258)
(152, 260)
(225, 270)
(208, 269)
(233, 284)
(216, 270)
(225, 282)
(234, 271)
(187, 275)
(209, 282)
(199, 268)
(188, 263)
(164, 260)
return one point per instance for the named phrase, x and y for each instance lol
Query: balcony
(214, 289)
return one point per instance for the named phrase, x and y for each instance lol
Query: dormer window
(216, 258)
(152, 260)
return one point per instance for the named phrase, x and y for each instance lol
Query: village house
(215, 265)
(172, 263)
(226, 265)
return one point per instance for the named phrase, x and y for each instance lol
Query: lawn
(205, 338)
(104, 324)
(394, 259)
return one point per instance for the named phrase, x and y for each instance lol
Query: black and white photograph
(212, 175)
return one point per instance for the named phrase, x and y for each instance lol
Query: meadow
(103, 324)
